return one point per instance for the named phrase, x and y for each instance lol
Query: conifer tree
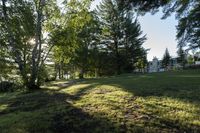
(166, 59)
(120, 34)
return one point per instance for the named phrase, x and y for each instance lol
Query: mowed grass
(157, 102)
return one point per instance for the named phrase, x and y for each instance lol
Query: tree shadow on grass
(182, 88)
(53, 111)
(178, 90)
(50, 111)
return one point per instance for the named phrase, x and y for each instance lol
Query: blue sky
(161, 34)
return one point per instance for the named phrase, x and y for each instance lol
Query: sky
(161, 34)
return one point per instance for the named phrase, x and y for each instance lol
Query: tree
(120, 35)
(18, 28)
(110, 17)
(144, 6)
(197, 56)
(133, 40)
(6, 65)
(88, 41)
(181, 56)
(75, 38)
(190, 60)
(142, 62)
(166, 59)
(189, 26)
(23, 23)
(80, 40)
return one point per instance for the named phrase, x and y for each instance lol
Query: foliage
(22, 24)
(6, 86)
(166, 59)
(182, 56)
(81, 45)
(121, 36)
(74, 38)
(197, 56)
(190, 60)
(17, 28)
(188, 27)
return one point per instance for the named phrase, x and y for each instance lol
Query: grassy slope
(159, 102)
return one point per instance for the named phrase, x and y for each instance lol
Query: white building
(156, 65)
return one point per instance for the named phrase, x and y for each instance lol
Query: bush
(6, 86)
(43, 75)
(48, 79)
(192, 67)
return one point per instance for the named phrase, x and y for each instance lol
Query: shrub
(192, 66)
(6, 86)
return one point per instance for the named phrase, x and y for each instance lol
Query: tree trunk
(36, 53)
(81, 75)
(96, 72)
(117, 57)
(62, 71)
(59, 70)
(55, 69)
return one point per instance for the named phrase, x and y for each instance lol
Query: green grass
(157, 102)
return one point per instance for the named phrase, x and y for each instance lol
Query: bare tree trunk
(36, 53)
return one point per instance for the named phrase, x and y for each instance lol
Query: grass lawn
(157, 102)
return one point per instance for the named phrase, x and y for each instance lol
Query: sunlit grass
(3, 106)
(160, 102)
(124, 108)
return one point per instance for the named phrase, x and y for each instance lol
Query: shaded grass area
(158, 102)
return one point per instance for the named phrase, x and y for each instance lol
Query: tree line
(80, 41)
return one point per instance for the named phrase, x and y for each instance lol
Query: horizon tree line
(106, 41)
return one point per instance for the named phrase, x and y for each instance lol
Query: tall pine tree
(181, 56)
(166, 59)
(121, 36)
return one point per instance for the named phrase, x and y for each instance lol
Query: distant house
(197, 58)
(156, 65)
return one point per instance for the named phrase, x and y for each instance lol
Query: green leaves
(189, 28)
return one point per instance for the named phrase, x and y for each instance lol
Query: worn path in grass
(159, 102)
